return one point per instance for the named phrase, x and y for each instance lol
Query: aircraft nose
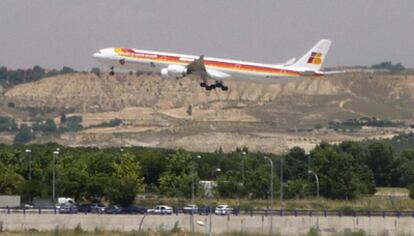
(97, 54)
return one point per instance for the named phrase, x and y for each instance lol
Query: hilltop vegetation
(12, 77)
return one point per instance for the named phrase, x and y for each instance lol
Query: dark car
(113, 210)
(134, 210)
(68, 209)
(97, 208)
(86, 208)
(205, 210)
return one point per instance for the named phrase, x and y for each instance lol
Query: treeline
(345, 171)
(26, 133)
(357, 123)
(10, 77)
(387, 65)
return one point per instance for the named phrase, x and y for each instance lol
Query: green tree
(297, 189)
(129, 169)
(230, 185)
(379, 160)
(295, 164)
(72, 176)
(121, 192)
(46, 127)
(74, 123)
(176, 181)
(10, 181)
(318, 126)
(25, 135)
(126, 181)
(339, 173)
(402, 173)
(67, 70)
(7, 124)
(411, 191)
(95, 188)
(258, 181)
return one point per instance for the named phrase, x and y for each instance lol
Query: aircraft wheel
(111, 73)
(219, 84)
(224, 88)
(203, 85)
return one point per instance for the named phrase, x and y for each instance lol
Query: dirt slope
(155, 110)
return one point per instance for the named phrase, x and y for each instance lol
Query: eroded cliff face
(88, 93)
(156, 112)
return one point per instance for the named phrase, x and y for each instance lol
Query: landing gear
(217, 84)
(220, 84)
(111, 72)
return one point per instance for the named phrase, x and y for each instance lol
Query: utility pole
(210, 228)
(243, 167)
(29, 152)
(55, 153)
(271, 195)
(192, 193)
(281, 180)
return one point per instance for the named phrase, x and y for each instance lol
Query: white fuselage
(220, 69)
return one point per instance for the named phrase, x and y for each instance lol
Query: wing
(197, 67)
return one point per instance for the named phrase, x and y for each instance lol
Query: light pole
(210, 210)
(317, 182)
(281, 181)
(192, 193)
(121, 150)
(55, 153)
(243, 166)
(192, 180)
(271, 194)
(29, 152)
(307, 153)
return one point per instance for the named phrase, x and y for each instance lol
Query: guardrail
(250, 212)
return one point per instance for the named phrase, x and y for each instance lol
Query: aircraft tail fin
(315, 57)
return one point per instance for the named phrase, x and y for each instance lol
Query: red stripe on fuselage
(130, 53)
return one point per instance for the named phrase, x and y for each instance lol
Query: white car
(161, 209)
(223, 210)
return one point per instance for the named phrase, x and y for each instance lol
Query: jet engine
(174, 71)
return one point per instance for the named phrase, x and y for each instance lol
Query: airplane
(172, 65)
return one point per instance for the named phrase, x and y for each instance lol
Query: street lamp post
(192, 180)
(29, 152)
(55, 153)
(271, 194)
(281, 181)
(192, 193)
(317, 182)
(210, 233)
(243, 167)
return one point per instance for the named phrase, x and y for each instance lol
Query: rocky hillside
(156, 113)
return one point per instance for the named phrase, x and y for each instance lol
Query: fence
(250, 212)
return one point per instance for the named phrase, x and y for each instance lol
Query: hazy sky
(53, 33)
